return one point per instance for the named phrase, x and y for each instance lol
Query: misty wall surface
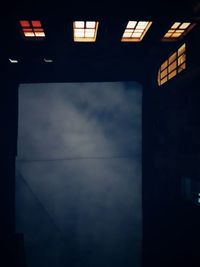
(78, 174)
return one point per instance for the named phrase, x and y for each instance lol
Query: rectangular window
(178, 30)
(85, 31)
(135, 31)
(32, 29)
(175, 64)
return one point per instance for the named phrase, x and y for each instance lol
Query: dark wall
(171, 152)
(10, 243)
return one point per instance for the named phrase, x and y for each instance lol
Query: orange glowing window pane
(172, 74)
(128, 31)
(142, 25)
(90, 24)
(127, 34)
(164, 65)
(27, 30)
(182, 67)
(36, 23)
(181, 49)
(163, 74)
(89, 33)
(24, 23)
(176, 25)
(138, 30)
(185, 25)
(40, 34)
(29, 34)
(181, 59)
(79, 24)
(79, 33)
(167, 35)
(131, 24)
(172, 57)
(172, 66)
(38, 30)
(163, 80)
(176, 34)
(136, 34)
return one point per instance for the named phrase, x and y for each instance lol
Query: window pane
(172, 74)
(182, 67)
(172, 57)
(163, 73)
(181, 59)
(172, 66)
(181, 49)
(164, 65)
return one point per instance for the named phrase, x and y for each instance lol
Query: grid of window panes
(175, 64)
(178, 30)
(32, 29)
(85, 31)
(135, 31)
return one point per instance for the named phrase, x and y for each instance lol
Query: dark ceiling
(107, 58)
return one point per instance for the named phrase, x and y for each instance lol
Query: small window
(135, 31)
(13, 61)
(178, 30)
(175, 64)
(32, 29)
(85, 31)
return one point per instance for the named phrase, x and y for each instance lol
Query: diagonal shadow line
(43, 207)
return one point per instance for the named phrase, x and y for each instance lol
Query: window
(13, 61)
(32, 29)
(178, 30)
(175, 64)
(135, 31)
(48, 60)
(85, 31)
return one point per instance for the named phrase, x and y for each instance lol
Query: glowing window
(175, 64)
(48, 60)
(13, 61)
(85, 31)
(178, 30)
(32, 29)
(135, 31)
